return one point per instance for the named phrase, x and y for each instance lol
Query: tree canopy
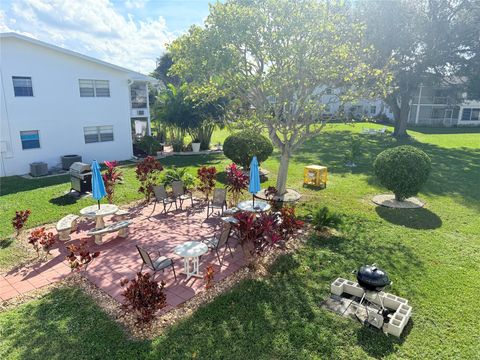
(431, 42)
(278, 58)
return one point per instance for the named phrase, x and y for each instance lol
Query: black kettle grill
(372, 278)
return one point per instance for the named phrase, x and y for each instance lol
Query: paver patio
(119, 258)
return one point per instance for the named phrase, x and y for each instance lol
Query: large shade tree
(278, 57)
(430, 42)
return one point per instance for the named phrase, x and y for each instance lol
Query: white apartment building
(56, 102)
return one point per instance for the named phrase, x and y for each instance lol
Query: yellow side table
(315, 175)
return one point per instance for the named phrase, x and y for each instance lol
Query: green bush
(173, 174)
(150, 145)
(403, 170)
(242, 146)
(323, 217)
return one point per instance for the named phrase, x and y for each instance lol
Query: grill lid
(79, 168)
(372, 278)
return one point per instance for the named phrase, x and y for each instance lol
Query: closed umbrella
(254, 183)
(98, 187)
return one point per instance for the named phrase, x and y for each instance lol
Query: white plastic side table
(191, 252)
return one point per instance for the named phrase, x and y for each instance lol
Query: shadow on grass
(63, 200)
(446, 130)
(5, 243)
(17, 184)
(454, 170)
(421, 219)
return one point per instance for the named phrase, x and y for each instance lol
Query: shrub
(243, 146)
(150, 145)
(143, 296)
(237, 182)
(403, 170)
(178, 174)
(177, 145)
(207, 177)
(20, 219)
(41, 240)
(111, 177)
(256, 233)
(354, 152)
(289, 223)
(323, 217)
(208, 277)
(147, 173)
(79, 256)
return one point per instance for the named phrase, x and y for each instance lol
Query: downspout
(149, 131)
(7, 121)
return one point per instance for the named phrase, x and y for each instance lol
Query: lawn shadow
(63, 200)
(17, 184)
(420, 219)
(5, 243)
(455, 171)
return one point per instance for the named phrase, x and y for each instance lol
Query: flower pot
(195, 147)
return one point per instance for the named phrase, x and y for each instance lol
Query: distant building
(55, 102)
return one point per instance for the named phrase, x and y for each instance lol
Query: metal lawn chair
(218, 202)
(216, 242)
(160, 263)
(161, 196)
(180, 194)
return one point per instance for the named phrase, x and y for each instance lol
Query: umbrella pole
(253, 200)
(98, 204)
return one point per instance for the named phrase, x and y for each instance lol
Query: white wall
(56, 109)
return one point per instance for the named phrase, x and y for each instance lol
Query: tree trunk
(401, 117)
(283, 171)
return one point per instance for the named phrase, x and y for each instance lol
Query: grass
(432, 255)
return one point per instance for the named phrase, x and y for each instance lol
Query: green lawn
(432, 255)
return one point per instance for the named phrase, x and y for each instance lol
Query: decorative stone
(388, 200)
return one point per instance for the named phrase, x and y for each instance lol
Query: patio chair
(219, 201)
(161, 196)
(160, 263)
(216, 242)
(180, 193)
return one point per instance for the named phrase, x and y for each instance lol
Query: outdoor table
(229, 219)
(259, 206)
(191, 251)
(99, 214)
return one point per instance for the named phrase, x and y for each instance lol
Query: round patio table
(191, 252)
(94, 212)
(258, 207)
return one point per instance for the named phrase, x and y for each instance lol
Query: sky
(128, 33)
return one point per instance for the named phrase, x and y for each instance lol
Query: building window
(470, 114)
(373, 109)
(22, 86)
(95, 134)
(138, 95)
(30, 139)
(94, 88)
(328, 91)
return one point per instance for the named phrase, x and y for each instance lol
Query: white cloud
(92, 27)
(135, 4)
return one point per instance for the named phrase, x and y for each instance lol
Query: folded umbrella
(98, 187)
(254, 182)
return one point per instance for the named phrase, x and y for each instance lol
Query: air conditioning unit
(38, 169)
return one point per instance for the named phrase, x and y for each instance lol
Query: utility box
(38, 169)
(315, 175)
(68, 160)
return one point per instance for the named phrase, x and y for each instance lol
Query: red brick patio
(119, 258)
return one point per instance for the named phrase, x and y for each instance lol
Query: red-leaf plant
(143, 296)
(208, 277)
(288, 224)
(20, 219)
(256, 233)
(111, 177)
(147, 173)
(41, 240)
(237, 182)
(207, 177)
(79, 256)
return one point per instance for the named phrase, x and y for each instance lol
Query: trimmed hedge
(403, 170)
(242, 146)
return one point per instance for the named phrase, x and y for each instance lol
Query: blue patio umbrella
(254, 182)
(98, 187)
